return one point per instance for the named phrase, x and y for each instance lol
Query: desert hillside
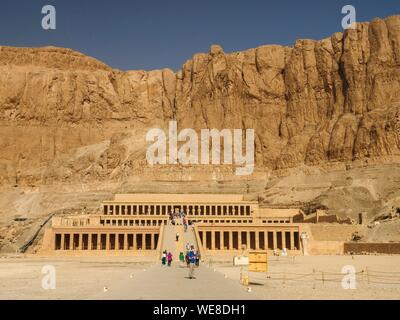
(326, 115)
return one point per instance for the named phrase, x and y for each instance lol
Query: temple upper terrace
(198, 207)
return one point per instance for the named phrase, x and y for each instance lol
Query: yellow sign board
(258, 261)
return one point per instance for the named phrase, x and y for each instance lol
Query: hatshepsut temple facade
(137, 223)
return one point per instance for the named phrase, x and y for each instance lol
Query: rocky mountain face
(326, 116)
(66, 117)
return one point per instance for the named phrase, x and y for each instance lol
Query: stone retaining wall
(362, 247)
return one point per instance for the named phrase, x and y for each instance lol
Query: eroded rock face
(67, 117)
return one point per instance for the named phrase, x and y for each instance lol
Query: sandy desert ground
(288, 278)
(320, 277)
(77, 278)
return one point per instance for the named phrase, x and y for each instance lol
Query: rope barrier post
(284, 278)
(363, 276)
(314, 278)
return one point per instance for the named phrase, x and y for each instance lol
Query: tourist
(169, 258)
(181, 259)
(192, 262)
(177, 236)
(187, 259)
(197, 258)
(185, 226)
(164, 258)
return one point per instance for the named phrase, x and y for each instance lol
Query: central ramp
(173, 283)
(190, 237)
(170, 244)
(166, 283)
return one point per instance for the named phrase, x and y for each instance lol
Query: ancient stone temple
(135, 223)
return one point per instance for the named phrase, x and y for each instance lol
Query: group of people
(191, 259)
(175, 216)
(189, 253)
(166, 258)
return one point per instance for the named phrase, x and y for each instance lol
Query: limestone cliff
(67, 117)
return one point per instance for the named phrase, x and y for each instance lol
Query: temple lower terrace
(138, 224)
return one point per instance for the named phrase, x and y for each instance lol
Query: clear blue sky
(152, 34)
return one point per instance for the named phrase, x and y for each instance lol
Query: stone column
(284, 239)
(240, 240)
(80, 242)
(221, 240)
(265, 240)
(71, 241)
(144, 243)
(274, 237)
(62, 246)
(126, 241)
(152, 241)
(257, 237)
(230, 240)
(248, 240)
(99, 241)
(212, 240)
(134, 243)
(291, 240)
(141, 235)
(89, 241)
(116, 242)
(107, 241)
(204, 240)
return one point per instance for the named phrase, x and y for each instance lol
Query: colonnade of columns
(254, 240)
(105, 241)
(165, 209)
(133, 222)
